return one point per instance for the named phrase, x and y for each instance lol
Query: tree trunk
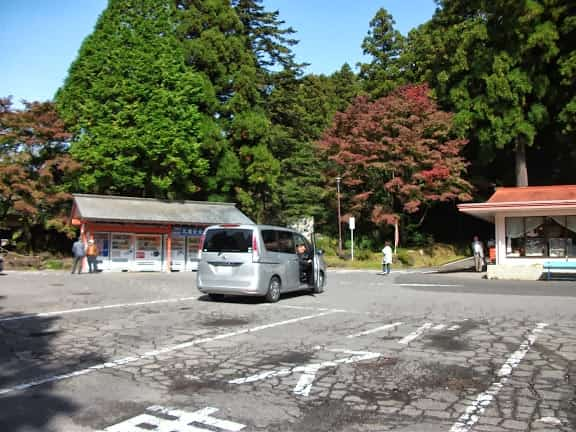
(521, 167)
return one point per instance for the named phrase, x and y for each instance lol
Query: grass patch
(433, 256)
(53, 264)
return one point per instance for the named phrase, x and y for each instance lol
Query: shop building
(534, 225)
(143, 234)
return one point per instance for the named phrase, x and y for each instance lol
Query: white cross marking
(418, 332)
(181, 421)
(306, 380)
(377, 329)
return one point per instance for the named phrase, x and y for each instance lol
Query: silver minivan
(257, 260)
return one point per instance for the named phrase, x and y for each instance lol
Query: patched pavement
(371, 354)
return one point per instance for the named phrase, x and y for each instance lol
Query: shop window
(541, 236)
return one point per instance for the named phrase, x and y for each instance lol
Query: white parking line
(416, 333)
(427, 285)
(154, 353)
(377, 329)
(473, 412)
(94, 308)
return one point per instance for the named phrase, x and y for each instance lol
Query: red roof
(534, 193)
(527, 198)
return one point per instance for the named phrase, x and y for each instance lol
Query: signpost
(352, 225)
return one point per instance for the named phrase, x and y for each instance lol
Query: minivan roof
(247, 226)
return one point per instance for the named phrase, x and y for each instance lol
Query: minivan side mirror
(320, 251)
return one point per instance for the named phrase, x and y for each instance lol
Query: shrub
(405, 257)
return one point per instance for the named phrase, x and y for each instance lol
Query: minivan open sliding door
(308, 264)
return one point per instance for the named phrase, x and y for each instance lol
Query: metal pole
(338, 179)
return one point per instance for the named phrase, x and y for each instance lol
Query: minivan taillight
(201, 245)
(255, 252)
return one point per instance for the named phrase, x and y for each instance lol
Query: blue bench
(558, 265)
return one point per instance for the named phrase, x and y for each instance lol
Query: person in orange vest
(92, 253)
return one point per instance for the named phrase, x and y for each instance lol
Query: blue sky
(40, 38)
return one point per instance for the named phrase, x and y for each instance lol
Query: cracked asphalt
(409, 352)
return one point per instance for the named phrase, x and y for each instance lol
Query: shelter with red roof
(534, 225)
(145, 234)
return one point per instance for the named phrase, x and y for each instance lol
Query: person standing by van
(386, 258)
(79, 253)
(305, 263)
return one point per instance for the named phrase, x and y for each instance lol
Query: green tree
(36, 171)
(384, 45)
(132, 104)
(269, 41)
(503, 66)
(302, 109)
(226, 45)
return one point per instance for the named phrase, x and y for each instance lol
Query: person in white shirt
(478, 251)
(386, 258)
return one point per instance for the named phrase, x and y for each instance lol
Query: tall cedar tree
(36, 172)
(132, 104)
(396, 155)
(384, 45)
(269, 41)
(505, 67)
(235, 45)
(305, 108)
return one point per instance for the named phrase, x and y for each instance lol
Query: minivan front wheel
(273, 294)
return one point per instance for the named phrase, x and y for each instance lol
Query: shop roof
(533, 199)
(110, 208)
(534, 194)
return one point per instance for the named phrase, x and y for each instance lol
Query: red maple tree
(396, 155)
(35, 167)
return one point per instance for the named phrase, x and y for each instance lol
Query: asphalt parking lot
(132, 352)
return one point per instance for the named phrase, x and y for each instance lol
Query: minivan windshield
(228, 240)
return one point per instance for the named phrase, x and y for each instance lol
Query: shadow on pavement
(252, 299)
(28, 354)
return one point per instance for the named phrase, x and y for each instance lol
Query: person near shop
(478, 251)
(386, 258)
(78, 252)
(92, 253)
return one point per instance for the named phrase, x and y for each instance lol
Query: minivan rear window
(228, 240)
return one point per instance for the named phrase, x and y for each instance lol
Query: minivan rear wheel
(273, 294)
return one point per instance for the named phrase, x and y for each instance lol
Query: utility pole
(338, 180)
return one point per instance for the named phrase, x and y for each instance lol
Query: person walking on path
(78, 252)
(386, 258)
(92, 253)
(478, 251)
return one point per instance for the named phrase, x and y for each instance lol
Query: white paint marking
(181, 421)
(550, 420)
(94, 308)
(427, 285)
(454, 327)
(306, 380)
(439, 327)
(154, 353)
(472, 414)
(377, 329)
(301, 307)
(418, 332)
